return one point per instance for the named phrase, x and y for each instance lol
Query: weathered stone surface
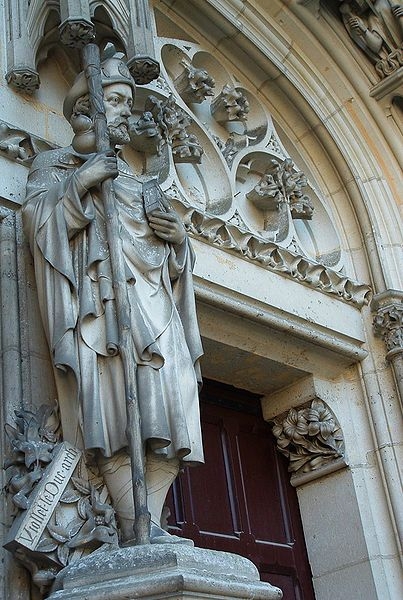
(162, 571)
(27, 529)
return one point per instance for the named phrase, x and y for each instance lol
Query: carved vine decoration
(310, 437)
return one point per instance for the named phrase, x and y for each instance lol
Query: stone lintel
(162, 571)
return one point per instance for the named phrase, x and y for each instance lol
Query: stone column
(388, 323)
(21, 72)
(76, 28)
(140, 47)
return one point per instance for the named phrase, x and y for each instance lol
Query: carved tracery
(228, 169)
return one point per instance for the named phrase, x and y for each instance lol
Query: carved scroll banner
(28, 527)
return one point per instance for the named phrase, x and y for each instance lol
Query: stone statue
(376, 30)
(65, 222)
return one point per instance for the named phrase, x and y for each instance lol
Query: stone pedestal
(162, 571)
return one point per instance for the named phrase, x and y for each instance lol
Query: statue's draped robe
(67, 236)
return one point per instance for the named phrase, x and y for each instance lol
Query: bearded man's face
(118, 102)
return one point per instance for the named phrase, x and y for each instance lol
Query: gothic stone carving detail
(23, 79)
(230, 105)
(19, 145)
(194, 85)
(282, 182)
(377, 28)
(76, 33)
(144, 69)
(271, 256)
(59, 514)
(310, 437)
(173, 123)
(388, 323)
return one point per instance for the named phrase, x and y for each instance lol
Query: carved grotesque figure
(65, 221)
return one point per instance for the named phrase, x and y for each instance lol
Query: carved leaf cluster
(93, 525)
(310, 437)
(388, 323)
(32, 443)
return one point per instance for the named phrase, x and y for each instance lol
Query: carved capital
(76, 33)
(311, 438)
(23, 79)
(388, 320)
(144, 69)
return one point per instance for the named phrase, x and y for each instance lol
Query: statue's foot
(160, 536)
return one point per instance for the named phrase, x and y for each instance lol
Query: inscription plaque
(29, 526)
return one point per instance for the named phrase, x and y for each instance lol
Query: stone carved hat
(113, 70)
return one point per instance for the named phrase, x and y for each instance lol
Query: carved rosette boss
(311, 438)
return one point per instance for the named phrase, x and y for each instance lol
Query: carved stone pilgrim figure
(64, 219)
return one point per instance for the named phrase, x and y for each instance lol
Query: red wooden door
(241, 500)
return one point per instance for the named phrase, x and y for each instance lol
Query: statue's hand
(98, 168)
(167, 226)
(397, 10)
(356, 24)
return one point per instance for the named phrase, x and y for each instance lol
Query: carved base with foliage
(61, 508)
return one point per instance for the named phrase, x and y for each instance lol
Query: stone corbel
(388, 323)
(21, 74)
(308, 434)
(76, 28)
(140, 46)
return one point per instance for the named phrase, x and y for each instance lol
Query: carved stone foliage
(310, 437)
(234, 236)
(245, 169)
(377, 28)
(230, 105)
(61, 512)
(194, 85)
(23, 79)
(282, 182)
(388, 323)
(173, 123)
(76, 33)
(144, 69)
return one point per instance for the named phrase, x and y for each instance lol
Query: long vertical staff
(141, 527)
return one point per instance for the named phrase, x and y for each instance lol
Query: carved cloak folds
(67, 236)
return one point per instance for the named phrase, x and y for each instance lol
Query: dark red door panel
(241, 500)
